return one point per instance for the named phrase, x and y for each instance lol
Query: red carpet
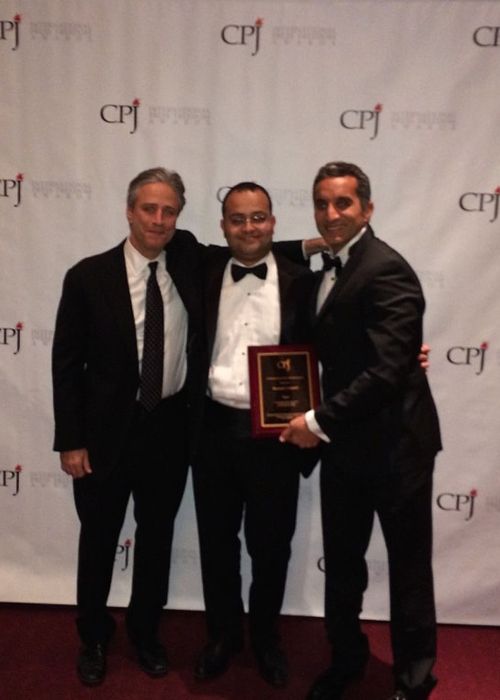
(38, 646)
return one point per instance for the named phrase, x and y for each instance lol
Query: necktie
(239, 271)
(152, 354)
(330, 263)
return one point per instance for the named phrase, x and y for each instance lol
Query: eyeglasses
(257, 218)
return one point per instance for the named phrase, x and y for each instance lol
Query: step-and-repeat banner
(227, 90)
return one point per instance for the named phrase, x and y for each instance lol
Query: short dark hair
(341, 169)
(168, 177)
(246, 187)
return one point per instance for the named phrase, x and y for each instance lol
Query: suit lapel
(179, 266)
(285, 279)
(216, 262)
(312, 302)
(349, 270)
(334, 292)
(116, 292)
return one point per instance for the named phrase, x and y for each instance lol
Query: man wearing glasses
(237, 477)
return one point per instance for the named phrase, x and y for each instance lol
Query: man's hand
(423, 357)
(299, 434)
(314, 245)
(76, 463)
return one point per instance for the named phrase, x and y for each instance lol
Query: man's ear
(221, 223)
(368, 211)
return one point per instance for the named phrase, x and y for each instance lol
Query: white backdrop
(226, 90)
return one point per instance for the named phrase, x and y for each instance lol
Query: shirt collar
(343, 253)
(266, 259)
(136, 261)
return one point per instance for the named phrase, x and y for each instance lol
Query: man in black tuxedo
(237, 477)
(380, 434)
(118, 435)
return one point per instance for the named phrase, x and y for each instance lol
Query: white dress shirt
(249, 314)
(176, 318)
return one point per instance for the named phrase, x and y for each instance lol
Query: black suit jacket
(377, 408)
(288, 272)
(94, 360)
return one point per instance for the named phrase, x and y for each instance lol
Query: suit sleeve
(383, 349)
(292, 250)
(69, 356)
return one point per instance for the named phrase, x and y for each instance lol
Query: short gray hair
(168, 177)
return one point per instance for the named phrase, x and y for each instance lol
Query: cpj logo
(10, 188)
(10, 479)
(471, 356)
(11, 337)
(122, 114)
(122, 554)
(484, 202)
(243, 35)
(458, 503)
(362, 119)
(487, 36)
(9, 31)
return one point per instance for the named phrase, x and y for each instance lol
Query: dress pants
(153, 469)
(402, 501)
(238, 478)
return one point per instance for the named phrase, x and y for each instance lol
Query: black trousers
(402, 501)
(153, 469)
(239, 479)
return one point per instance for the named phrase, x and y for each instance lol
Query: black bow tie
(329, 263)
(239, 271)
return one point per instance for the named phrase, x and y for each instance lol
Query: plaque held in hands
(284, 383)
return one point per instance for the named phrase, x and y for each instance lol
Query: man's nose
(331, 212)
(158, 217)
(248, 225)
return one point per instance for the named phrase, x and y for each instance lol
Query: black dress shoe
(331, 684)
(273, 666)
(91, 664)
(152, 658)
(214, 659)
(422, 692)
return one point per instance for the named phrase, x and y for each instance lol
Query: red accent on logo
(19, 177)
(473, 493)
(127, 543)
(259, 22)
(136, 102)
(484, 346)
(497, 191)
(377, 108)
(17, 18)
(18, 468)
(19, 325)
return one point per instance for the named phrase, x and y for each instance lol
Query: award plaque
(284, 383)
